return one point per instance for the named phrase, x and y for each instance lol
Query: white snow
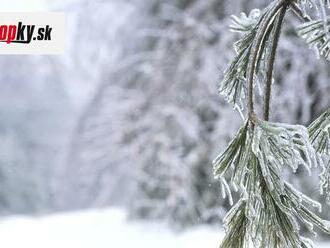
(100, 229)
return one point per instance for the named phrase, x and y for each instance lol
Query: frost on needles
(269, 207)
(270, 211)
(319, 132)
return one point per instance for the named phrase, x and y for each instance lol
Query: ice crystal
(244, 23)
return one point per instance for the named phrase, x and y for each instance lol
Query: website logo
(32, 33)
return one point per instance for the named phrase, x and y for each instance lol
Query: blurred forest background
(130, 116)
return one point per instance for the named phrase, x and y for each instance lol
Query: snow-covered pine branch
(270, 211)
(268, 202)
(233, 86)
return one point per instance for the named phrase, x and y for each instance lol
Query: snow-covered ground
(100, 229)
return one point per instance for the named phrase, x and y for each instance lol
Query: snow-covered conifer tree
(270, 210)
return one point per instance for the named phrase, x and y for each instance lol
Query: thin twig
(255, 51)
(271, 61)
(298, 12)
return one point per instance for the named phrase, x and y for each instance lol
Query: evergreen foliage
(316, 36)
(270, 210)
(319, 132)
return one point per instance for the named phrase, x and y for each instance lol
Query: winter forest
(130, 116)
